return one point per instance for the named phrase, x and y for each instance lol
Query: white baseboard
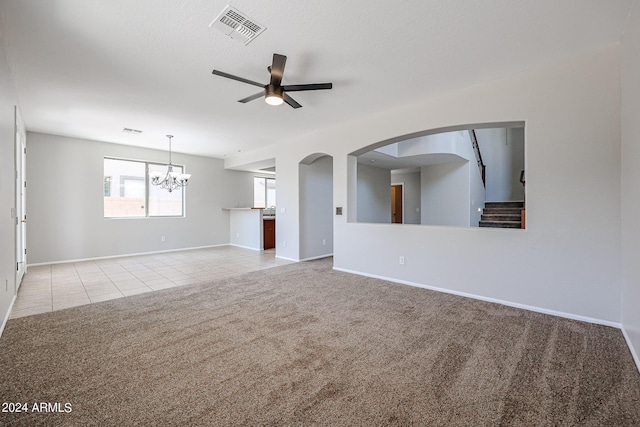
(244, 247)
(317, 257)
(287, 259)
(304, 259)
(631, 348)
(494, 300)
(126, 255)
(6, 317)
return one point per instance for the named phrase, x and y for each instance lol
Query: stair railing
(476, 149)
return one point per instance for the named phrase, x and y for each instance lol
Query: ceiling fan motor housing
(273, 95)
(272, 90)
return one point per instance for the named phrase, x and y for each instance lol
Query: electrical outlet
(284, 243)
(237, 235)
(163, 238)
(283, 210)
(401, 260)
(324, 241)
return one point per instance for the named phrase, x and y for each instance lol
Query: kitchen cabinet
(269, 230)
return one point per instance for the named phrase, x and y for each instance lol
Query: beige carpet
(305, 345)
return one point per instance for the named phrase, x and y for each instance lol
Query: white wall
(476, 188)
(316, 208)
(445, 194)
(631, 182)
(515, 142)
(8, 99)
(568, 259)
(374, 194)
(411, 197)
(503, 154)
(246, 228)
(65, 202)
(477, 194)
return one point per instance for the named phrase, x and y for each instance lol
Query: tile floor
(54, 287)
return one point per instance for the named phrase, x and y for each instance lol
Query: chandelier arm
(171, 181)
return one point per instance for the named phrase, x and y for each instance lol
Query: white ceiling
(89, 68)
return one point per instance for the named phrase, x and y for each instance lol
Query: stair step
(500, 224)
(514, 205)
(501, 211)
(500, 217)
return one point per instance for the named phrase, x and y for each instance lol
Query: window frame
(147, 186)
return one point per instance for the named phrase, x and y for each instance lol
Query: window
(128, 193)
(264, 192)
(163, 202)
(107, 186)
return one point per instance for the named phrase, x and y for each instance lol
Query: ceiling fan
(274, 93)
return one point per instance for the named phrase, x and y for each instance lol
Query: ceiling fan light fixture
(273, 100)
(273, 95)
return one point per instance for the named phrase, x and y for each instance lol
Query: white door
(21, 200)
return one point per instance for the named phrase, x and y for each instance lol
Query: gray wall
(8, 100)
(316, 208)
(477, 194)
(503, 154)
(630, 182)
(65, 202)
(374, 194)
(445, 194)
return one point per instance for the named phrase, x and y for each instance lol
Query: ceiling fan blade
(277, 69)
(289, 100)
(252, 97)
(240, 79)
(313, 86)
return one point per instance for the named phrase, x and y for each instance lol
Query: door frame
(401, 185)
(20, 206)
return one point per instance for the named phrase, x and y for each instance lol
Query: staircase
(502, 215)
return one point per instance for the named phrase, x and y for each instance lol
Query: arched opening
(466, 176)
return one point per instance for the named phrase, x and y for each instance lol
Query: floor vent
(237, 25)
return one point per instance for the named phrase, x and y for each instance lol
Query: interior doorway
(397, 191)
(21, 199)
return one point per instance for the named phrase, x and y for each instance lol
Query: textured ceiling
(89, 68)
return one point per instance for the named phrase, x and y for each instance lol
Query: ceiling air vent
(237, 25)
(131, 131)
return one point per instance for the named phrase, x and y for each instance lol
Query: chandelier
(172, 180)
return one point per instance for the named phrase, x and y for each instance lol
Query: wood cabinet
(269, 233)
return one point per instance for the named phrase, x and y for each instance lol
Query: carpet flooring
(302, 345)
